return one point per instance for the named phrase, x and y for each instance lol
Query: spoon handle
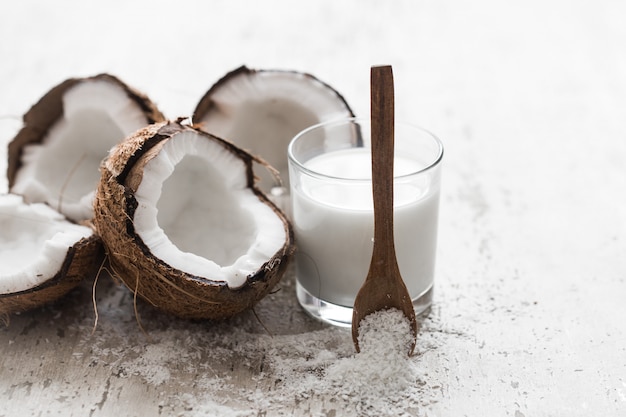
(382, 110)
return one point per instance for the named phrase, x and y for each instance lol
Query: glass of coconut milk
(332, 213)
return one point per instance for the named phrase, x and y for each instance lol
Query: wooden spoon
(383, 288)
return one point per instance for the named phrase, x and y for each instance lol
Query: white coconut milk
(334, 225)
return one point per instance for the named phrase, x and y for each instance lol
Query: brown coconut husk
(81, 260)
(167, 288)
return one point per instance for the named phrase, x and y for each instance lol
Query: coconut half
(42, 255)
(54, 159)
(184, 225)
(56, 155)
(262, 110)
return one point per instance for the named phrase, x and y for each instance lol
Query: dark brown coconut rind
(42, 115)
(167, 288)
(81, 261)
(206, 103)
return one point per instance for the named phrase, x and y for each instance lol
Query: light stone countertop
(529, 99)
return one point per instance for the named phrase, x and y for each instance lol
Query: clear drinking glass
(332, 213)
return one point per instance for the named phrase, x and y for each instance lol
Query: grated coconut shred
(235, 368)
(381, 376)
(381, 380)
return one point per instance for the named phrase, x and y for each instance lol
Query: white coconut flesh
(261, 111)
(33, 243)
(62, 170)
(196, 213)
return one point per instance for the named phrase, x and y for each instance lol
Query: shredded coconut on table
(235, 368)
(381, 380)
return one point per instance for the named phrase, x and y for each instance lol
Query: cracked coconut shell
(53, 171)
(184, 225)
(261, 110)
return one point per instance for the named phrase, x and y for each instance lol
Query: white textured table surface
(529, 99)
